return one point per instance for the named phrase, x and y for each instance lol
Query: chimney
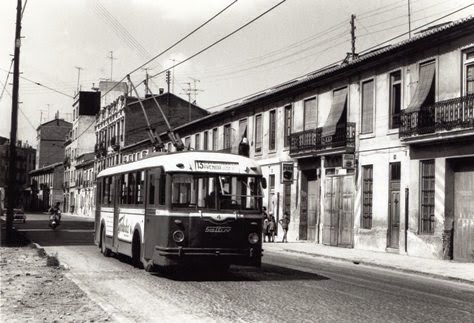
(162, 90)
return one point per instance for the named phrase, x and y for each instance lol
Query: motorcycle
(55, 220)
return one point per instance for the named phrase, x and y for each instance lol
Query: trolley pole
(12, 189)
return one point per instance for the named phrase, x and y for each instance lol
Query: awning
(427, 72)
(337, 108)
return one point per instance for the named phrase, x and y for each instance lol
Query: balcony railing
(312, 141)
(457, 113)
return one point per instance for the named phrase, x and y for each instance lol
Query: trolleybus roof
(190, 161)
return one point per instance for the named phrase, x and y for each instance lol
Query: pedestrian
(265, 229)
(271, 228)
(284, 225)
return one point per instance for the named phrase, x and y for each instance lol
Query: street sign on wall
(287, 172)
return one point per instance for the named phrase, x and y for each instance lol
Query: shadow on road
(70, 232)
(237, 273)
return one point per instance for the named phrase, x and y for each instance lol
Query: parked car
(18, 215)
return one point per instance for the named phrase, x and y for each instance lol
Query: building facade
(47, 186)
(25, 162)
(373, 153)
(79, 141)
(50, 142)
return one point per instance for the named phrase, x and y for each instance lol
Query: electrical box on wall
(286, 173)
(348, 161)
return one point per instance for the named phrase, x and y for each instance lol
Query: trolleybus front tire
(103, 249)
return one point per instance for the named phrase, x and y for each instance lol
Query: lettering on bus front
(217, 166)
(218, 229)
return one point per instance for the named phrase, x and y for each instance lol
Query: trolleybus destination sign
(211, 166)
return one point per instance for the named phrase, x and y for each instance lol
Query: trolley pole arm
(155, 140)
(174, 137)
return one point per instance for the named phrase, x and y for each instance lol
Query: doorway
(338, 211)
(463, 240)
(393, 238)
(309, 205)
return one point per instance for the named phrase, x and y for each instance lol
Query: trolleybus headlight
(253, 238)
(178, 236)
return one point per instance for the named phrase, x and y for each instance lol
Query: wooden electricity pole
(12, 188)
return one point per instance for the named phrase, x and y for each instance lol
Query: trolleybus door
(151, 203)
(115, 191)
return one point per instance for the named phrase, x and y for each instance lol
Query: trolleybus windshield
(215, 192)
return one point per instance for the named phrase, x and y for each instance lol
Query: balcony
(444, 120)
(310, 142)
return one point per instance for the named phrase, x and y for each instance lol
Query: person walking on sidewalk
(271, 228)
(284, 225)
(265, 224)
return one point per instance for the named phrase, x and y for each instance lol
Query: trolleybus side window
(107, 191)
(151, 188)
(140, 186)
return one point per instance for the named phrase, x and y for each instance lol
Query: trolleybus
(182, 208)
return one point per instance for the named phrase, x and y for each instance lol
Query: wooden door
(463, 241)
(394, 206)
(331, 211)
(313, 201)
(346, 215)
(303, 227)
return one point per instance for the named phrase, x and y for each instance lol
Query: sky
(68, 42)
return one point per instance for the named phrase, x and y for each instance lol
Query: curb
(371, 264)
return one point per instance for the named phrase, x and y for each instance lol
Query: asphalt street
(288, 288)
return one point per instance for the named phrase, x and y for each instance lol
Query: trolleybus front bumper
(178, 255)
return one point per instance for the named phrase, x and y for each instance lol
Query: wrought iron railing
(442, 116)
(313, 141)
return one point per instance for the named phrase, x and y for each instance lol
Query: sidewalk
(442, 269)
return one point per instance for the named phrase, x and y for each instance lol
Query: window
(367, 186)
(395, 99)
(227, 133)
(214, 139)
(258, 133)
(367, 119)
(288, 124)
(427, 193)
(187, 143)
(205, 140)
(468, 72)
(272, 130)
(310, 114)
(107, 195)
(140, 187)
(197, 142)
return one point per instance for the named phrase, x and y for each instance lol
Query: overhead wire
(341, 60)
(174, 44)
(6, 81)
(222, 39)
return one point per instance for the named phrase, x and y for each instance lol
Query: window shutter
(367, 106)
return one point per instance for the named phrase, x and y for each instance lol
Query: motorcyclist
(55, 210)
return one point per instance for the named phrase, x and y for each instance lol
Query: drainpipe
(406, 220)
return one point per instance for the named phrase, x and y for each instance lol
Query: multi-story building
(85, 185)
(121, 130)
(373, 153)
(50, 141)
(25, 162)
(79, 141)
(47, 186)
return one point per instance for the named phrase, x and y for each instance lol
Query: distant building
(47, 186)
(25, 155)
(121, 130)
(79, 141)
(50, 142)
(85, 185)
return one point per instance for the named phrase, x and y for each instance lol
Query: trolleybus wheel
(103, 249)
(136, 252)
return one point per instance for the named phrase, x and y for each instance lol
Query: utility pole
(353, 37)
(173, 60)
(147, 78)
(112, 58)
(409, 20)
(12, 189)
(195, 90)
(78, 88)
